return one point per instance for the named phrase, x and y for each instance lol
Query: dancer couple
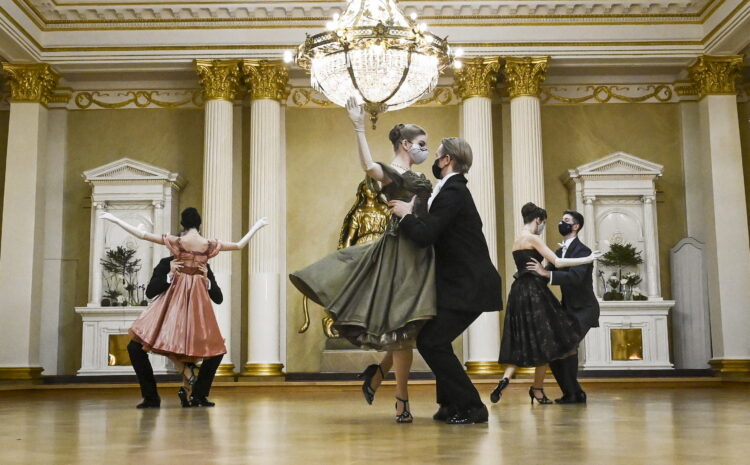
(180, 322)
(423, 282)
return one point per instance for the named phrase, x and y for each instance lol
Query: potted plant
(122, 269)
(617, 286)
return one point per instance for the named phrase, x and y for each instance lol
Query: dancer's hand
(203, 270)
(537, 267)
(175, 266)
(356, 114)
(596, 255)
(262, 222)
(109, 217)
(400, 208)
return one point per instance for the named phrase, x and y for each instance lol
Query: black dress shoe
(468, 417)
(149, 403)
(443, 413)
(201, 402)
(577, 398)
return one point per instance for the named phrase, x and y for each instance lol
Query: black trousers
(145, 373)
(565, 371)
(454, 388)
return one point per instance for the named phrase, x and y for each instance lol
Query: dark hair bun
(395, 135)
(530, 212)
(529, 209)
(190, 218)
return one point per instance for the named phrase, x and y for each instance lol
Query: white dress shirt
(436, 189)
(564, 244)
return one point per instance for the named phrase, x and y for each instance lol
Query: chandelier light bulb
(413, 15)
(330, 26)
(457, 64)
(336, 17)
(287, 56)
(422, 27)
(459, 53)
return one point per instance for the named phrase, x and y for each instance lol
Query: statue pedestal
(105, 340)
(632, 335)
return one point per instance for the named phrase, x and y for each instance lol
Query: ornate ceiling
(581, 36)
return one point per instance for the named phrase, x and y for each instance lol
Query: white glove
(568, 262)
(258, 224)
(139, 233)
(356, 114)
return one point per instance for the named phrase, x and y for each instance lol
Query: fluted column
(524, 77)
(220, 80)
(725, 213)
(22, 245)
(653, 284)
(474, 83)
(97, 251)
(267, 82)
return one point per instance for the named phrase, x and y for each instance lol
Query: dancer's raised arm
(357, 116)
(243, 242)
(547, 253)
(139, 233)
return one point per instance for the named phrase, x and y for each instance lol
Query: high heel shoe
(544, 400)
(498, 392)
(405, 416)
(368, 374)
(182, 393)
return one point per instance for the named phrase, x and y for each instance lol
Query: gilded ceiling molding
(477, 77)
(716, 75)
(33, 82)
(524, 75)
(125, 99)
(219, 79)
(266, 79)
(572, 95)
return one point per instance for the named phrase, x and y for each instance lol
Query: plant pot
(144, 303)
(105, 303)
(613, 296)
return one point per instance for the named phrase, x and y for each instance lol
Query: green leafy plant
(621, 256)
(121, 272)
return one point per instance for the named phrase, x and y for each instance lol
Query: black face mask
(564, 228)
(436, 170)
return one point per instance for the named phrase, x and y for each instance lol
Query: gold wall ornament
(138, 98)
(604, 94)
(476, 77)
(524, 75)
(266, 79)
(220, 79)
(303, 97)
(716, 75)
(31, 82)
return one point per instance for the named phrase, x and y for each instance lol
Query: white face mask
(418, 154)
(541, 227)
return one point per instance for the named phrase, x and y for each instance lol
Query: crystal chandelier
(376, 54)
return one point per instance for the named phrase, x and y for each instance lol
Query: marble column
(267, 82)
(474, 83)
(524, 76)
(692, 161)
(725, 212)
(653, 284)
(220, 81)
(22, 245)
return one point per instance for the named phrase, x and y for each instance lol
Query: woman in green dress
(381, 293)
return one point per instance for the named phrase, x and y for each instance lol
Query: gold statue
(365, 222)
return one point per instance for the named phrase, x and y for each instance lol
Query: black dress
(537, 328)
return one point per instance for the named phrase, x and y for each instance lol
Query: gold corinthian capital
(477, 77)
(524, 75)
(716, 75)
(266, 79)
(220, 79)
(33, 82)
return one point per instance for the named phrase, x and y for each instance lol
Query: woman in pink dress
(180, 323)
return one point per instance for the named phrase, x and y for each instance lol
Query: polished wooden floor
(324, 424)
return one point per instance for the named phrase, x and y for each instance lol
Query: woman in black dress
(537, 328)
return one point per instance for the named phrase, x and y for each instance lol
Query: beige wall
(744, 116)
(170, 139)
(323, 174)
(574, 135)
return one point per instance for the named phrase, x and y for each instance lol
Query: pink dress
(180, 323)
